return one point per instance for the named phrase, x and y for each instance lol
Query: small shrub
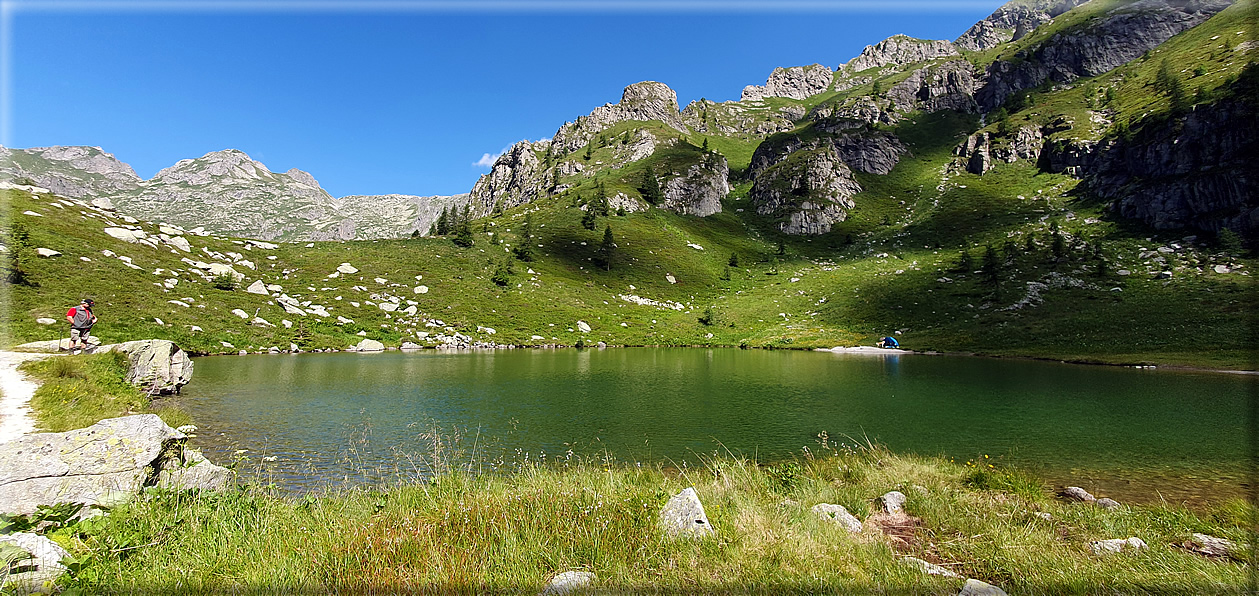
(224, 281)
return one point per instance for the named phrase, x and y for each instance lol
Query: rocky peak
(69, 171)
(796, 82)
(899, 50)
(516, 178)
(648, 100)
(1013, 21)
(231, 163)
(302, 177)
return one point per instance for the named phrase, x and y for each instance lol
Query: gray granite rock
(569, 582)
(1115, 545)
(893, 502)
(929, 568)
(36, 573)
(157, 366)
(683, 516)
(974, 587)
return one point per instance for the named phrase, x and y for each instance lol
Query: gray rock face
(40, 569)
(948, 86)
(838, 514)
(683, 516)
(103, 464)
(158, 366)
(796, 82)
(1197, 174)
(976, 151)
(700, 189)
(516, 178)
(644, 101)
(568, 582)
(1095, 46)
(808, 191)
(1025, 143)
(1013, 21)
(900, 50)
(79, 172)
(873, 152)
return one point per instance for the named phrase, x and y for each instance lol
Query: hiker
(888, 342)
(81, 320)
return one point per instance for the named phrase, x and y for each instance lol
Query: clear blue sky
(406, 98)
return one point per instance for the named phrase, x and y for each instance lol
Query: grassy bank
(510, 534)
(81, 390)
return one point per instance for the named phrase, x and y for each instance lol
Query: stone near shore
(35, 573)
(1076, 493)
(369, 345)
(929, 568)
(158, 366)
(104, 464)
(683, 516)
(1211, 546)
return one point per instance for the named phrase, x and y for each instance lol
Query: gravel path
(15, 396)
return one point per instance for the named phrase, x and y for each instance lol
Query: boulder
(45, 321)
(1108, 504)
(409, 345)
(583, 326)
(347, 268)
(974, 587)
(104, 464)
(569, 582)
(42, 566)
(158, 366)
(125, 235)
(839, 515)
(47, 252)
(1114, 545)
(893, 502)
(103, 203)
(683, 516)
(369, 345)
(240, 313)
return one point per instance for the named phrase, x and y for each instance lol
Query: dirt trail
(15, 396)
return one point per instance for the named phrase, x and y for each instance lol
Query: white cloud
(487, 160)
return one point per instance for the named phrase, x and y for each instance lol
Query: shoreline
(16, 389)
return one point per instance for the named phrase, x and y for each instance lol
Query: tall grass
(79, 391)
(463, 532)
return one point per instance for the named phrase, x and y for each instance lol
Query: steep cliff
(807, 192)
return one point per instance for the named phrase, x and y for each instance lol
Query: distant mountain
(226, 192)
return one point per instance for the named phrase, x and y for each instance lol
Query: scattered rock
(683, 516)
(1211, 546)
(669, 277)
(132, 236)
(421, 289)
(240, 313)
(1163, 275)
(974, 587)
(568, 582)
(407, 345)
(40, 569)
(1076, 493)
(346, 268)
(839, 515)
(369, 345)
(929, 568)
(583, 326)
(45, 321)
(257, 288)
(1043, 515)
(104, 464)
(47, 252)
(893, 502)
(1114, 545)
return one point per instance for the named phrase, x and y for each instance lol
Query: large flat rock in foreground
(104, 464)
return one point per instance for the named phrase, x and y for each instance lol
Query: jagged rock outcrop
(796, 82)
(1012, 21)
(734, 119)
(807, 192)
(900, 50)
(1025, 142)
(78, 172)
(516, 178)
(104, 464)
(948, 86)
(1193, 174)
(1095, 46)
(870, 151)
(976, 152)
(700, 189)
(1068, 155)
(648, 100)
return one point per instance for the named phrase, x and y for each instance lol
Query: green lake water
(329, 419)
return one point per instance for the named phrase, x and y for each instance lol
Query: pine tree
(992, 268)
(965, 263)
(734, 259)
(604, 257)
(590, 151)
(19, 252)
(443, 222)
(588, 219)
(705, 147)
(650, 188)
(1057, 244)
(524, 249)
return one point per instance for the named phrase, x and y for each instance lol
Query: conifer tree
(650, 188)
(604, 258)
(524, 249)
(588, 219)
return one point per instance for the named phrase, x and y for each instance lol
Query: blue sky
(405, 97)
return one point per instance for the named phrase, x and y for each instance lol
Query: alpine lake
(312, 422)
